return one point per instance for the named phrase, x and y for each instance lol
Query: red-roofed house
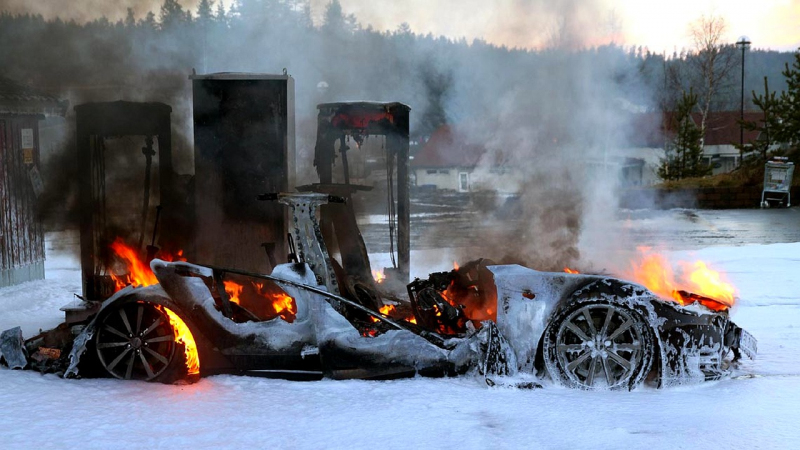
(649, 133)
(722, 134)
(446, 162)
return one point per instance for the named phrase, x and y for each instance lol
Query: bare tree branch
(711, 62)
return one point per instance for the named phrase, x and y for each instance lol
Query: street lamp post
(743, 42)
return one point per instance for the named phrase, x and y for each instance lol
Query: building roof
(654, 128)
(238, 76)
(446, 149)
(18, 98)
(722, 127)
(364, 105)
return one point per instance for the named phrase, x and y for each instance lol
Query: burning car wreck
(504, 322)
(321, 312)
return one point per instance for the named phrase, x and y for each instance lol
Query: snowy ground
(762, 411)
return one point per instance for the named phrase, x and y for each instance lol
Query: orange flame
(171, 258)
(568, 270)
(655, 273)
(139, 273)
(455, 265)
(450, 295)
(233, 290)
(284, 306)
(390, 311)
(280, 304)
(386, 310)
(184, 336)
(378, 276)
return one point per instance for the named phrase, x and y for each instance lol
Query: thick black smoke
(544, 113)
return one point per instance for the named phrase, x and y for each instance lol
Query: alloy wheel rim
(135, 342)
(599, 346)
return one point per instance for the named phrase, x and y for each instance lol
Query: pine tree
(767, 127)
(172, 14)
(404, 29)
(335, 22)
(262, 12)
(149, 21)
(305, 19)
(684, 153)
(221, 17)
(789, 105)
(130, 20)
(204, 12)
(334, 17)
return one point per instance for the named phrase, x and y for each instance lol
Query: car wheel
(135, 341)
(598, 345)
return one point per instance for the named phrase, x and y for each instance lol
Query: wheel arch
(88, 362)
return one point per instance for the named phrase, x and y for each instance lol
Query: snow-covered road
(761, 411)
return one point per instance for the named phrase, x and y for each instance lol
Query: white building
(650, 132)
(444, 162)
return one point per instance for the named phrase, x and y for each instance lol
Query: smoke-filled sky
(540, 113)
(660, 25)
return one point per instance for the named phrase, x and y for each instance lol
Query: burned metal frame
(335, 122)
(94, 122)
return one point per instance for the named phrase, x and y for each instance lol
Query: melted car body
(312, 318)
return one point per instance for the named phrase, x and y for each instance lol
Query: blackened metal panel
(5, 257)
(398, 143)
(244, 146)
(95, 122)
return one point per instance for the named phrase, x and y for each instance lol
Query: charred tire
(135, 341)
(598, 345)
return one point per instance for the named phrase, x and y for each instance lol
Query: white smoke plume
(547, 113)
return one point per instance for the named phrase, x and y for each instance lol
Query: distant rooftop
(445, 149)
(654, 128)
(18, 98)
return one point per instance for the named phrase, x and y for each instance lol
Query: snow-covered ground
(758, 411)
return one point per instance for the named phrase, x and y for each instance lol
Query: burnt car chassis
(508, 323)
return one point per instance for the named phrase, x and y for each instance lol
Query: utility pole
(743, 42)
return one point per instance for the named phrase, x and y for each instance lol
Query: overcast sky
(658, 24)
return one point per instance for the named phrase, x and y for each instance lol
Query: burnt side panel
(244, 146)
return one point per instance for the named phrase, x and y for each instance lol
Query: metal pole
(743, 42)
(741, 128)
